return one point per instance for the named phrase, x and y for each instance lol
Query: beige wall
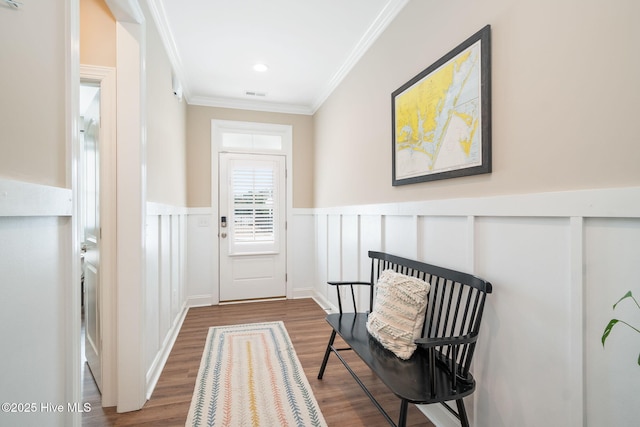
(565, 100)
(97, 34)
(166, 115)
(32, 93)
(199, 151)
(166, 126)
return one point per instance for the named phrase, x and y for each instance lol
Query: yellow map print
(436, 120)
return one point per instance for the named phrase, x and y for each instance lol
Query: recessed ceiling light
(261, 68)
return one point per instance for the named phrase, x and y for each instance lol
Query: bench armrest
(353, 295)
(349, 283)
(451, 356)
(442, 341)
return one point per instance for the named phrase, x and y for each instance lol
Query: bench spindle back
(454, 309)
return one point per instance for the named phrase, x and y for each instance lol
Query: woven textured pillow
(398, 312)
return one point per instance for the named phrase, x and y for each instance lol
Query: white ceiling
(308, 45)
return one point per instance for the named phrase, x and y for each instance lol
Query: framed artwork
(441, 118)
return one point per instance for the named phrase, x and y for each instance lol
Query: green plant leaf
(607, 330)
(627, 295)
(639, 359)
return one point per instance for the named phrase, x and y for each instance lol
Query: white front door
(252, 226)
(90, 217)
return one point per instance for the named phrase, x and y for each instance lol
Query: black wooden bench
(438, 370)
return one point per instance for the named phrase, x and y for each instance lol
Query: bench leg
(462, 412)
(326, 354)
(404, 405)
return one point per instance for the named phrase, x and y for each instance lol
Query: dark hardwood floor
(341, 400)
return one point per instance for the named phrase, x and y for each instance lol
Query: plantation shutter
(254, 200)
(253, 204)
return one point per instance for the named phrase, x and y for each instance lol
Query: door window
(254, 192)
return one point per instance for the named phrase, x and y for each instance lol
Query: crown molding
(382, 21)
(241, 104)
(126, 11)
(159, 16)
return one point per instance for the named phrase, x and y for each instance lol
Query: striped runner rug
(250, 375)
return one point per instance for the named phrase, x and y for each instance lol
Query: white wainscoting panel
(178, 263)
(164, 269)
(350, 261)
(370, 240)
(400, 235)
(36, 285)
(152, 290)
(40, 294)
(350, 247)
(557, 261)
(444, 241)
(165, 302)
(334, 247)
(202, 263)
(528, 262)
(321, 234)
(612, 259)
(202, 271)
(301, 265)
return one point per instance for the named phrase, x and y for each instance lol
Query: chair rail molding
(623, 202)
(18, 198)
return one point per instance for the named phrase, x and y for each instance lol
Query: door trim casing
(286, 132)
(106, 78)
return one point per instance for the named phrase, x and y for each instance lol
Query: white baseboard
(153, 375)
(303, 293)
(323, 302)
(200, 301)
(439, 415)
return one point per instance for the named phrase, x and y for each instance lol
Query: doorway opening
(251, 199)
(96, 233)
(89, 189)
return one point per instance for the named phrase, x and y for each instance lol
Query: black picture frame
(441, 118)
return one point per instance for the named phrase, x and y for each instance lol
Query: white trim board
(159, 362)
(72, 303)
(18, 198)
(105, 77)
(610, 203)
(155, 208)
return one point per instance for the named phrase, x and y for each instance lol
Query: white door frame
(131, 201)
(128, 300)
(286, 132)
(106, 78)
(73, 365)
